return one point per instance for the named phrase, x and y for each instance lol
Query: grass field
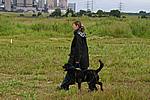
(30, 67)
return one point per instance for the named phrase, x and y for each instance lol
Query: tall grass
(129, 27)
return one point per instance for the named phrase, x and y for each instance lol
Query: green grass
(43, 27)
(27, 65)
(30, 67)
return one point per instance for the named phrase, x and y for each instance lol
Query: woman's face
(75, 27)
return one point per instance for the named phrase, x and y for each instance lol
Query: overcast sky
(107, 5)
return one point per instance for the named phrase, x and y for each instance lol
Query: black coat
(79, 50)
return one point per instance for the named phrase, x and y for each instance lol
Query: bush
(144, 16)
(123, 16)
(39, 14)
(56, 13)
(33, 15)
(99, 13)
(21, 15)
(115, 13)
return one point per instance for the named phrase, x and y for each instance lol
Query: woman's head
(77, 25)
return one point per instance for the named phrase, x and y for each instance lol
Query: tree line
(99, 13)
(71, 13)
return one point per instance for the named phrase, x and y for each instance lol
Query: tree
(56, 13)
(142, 12)
(115, 13)
(39, 14)
(99, 13)
(81, 13)
(89, 13)
(70, 12)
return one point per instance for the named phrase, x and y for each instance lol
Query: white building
(41, 4)
(7, 5)
(52, 4)
(20, 3)
(25, 5)
(72, 6)
(2, 6)
(29, 3)
(14, 2)
(63, 4)
(0, 2)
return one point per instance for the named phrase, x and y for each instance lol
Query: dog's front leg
(101, 84)
(79, 89)
(79, 86)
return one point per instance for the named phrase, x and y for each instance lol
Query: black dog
(90, 76)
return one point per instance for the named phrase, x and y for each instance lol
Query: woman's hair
(80, 25)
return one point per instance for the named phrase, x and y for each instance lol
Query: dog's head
(68, 67)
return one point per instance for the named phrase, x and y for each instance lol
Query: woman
(79, 57)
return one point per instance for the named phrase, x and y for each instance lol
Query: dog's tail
(101, 66)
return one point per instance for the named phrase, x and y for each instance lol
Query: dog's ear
(64, 65)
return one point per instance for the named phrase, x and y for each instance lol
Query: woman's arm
(78, 49)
